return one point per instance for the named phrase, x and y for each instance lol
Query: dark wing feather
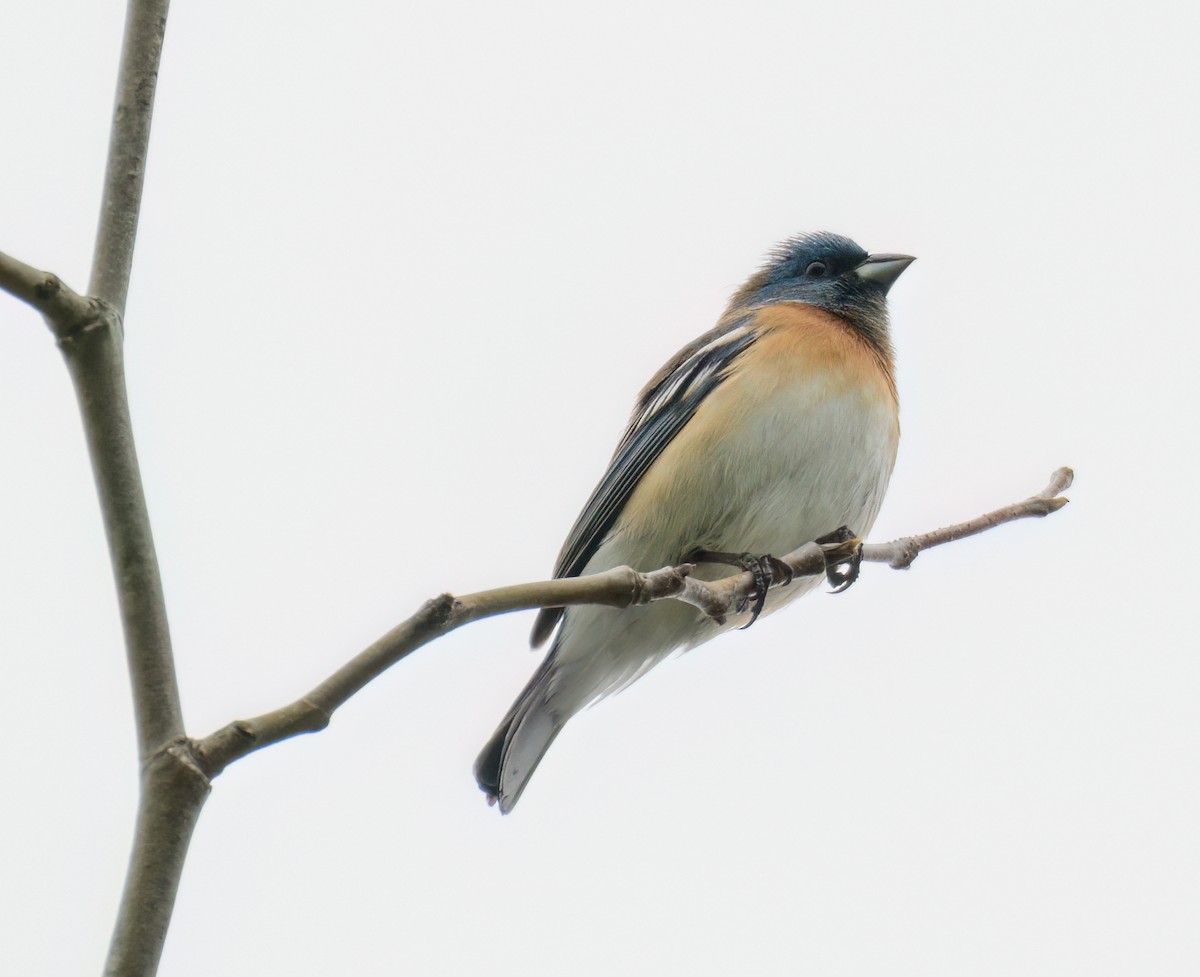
(663, 409)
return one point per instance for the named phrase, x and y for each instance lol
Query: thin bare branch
(96, 364)
(901, 552)
(65, 311)
(137, 78)
(619, 587)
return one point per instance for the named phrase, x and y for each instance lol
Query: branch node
(660, 583)
(321, 716)
(63, 309)
(183, 752)
(907, 550)
(48, 287)
(715, 598)
(440, 611)
(101, 315)
(636, 585)
(441, 606)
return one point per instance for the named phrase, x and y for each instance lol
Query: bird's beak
(883, 269)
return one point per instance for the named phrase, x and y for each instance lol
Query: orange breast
(799, 339)
(806, 421)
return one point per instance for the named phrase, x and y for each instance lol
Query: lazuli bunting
(774, 428)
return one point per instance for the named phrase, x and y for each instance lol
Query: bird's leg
(767, 570)
(842, 549)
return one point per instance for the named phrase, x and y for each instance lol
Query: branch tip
(1060, 480)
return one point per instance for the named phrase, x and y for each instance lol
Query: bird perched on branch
(774, 428)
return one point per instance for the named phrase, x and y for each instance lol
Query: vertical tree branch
(173, 791)
(173, 788)
(96, 364)
(90, 334)
(145, 25)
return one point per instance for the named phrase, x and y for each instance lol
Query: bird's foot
(843, 557)
(768, 571)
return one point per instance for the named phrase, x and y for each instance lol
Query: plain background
(402, 269)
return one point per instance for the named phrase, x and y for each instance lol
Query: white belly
(792, 466)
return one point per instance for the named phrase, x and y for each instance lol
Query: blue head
(832, 273)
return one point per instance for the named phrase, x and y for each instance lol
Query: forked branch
(65, 311)
(176, 770)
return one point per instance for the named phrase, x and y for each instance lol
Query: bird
(777, 426)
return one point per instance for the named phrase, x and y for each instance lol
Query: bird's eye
(816, 269)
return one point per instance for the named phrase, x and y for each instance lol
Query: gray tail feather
(510, 757)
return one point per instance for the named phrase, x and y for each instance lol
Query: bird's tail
(510, 757)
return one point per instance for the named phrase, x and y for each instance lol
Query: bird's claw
(841, 548)
(768, 571)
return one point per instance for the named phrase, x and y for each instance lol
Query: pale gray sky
(402, 271)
